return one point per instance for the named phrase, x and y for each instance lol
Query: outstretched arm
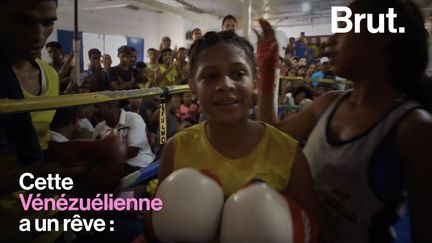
(299, 125)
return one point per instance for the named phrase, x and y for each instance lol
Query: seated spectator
(229, 22)
(63, 125)
(292, 72)
(325, 66)
(298, 95)
(301, 71)
(302, 62)
(135, 105)
(122, 75)
(85, 128)
(106, 61)
(165, 44)
(290, 48)
(187, 108)
(196, 34)
(97, 79)
(130, 128)
(284, 88)
(294, 61)
(284, 66)
(54, 50)
(133, 57)
(329, 75)
(311, 70)
(310, 54)
(61, 64)
(166, 74)
(153, 56)
(148, 110)
(300, 46)
(141, 75)
(302, 95)
(182, 65)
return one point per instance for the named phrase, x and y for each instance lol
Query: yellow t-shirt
(170, 78)
(271, 160)
(10, 207)
(184, 70)
(151, 73)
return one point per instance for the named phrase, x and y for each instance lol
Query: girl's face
(223, 82)
(187, 98)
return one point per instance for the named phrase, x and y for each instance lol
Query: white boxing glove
(192, 207)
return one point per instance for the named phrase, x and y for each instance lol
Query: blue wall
(65, 37)
(138, 44)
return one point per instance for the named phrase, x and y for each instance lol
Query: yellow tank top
(271, 160)
(170, 78)
(42, 119)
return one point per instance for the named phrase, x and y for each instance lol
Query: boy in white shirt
(130, 128)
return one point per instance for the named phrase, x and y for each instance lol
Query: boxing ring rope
(10, 106)
(325, 81)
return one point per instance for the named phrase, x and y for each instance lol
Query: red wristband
(267, 58)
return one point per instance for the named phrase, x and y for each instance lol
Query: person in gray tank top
(369, 149)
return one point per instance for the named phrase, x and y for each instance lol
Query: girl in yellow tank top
(234, 148)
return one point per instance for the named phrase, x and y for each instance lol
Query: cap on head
(324, 60)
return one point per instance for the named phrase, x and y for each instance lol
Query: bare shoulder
(417, 123)
(325, 100)
(415, 133)
(166, 160)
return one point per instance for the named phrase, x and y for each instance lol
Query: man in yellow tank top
(24, 137)
(228, 144)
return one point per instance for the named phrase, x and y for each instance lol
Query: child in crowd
(122, 76)
(141, 75)
(196, 34)
(182, 65)
(229, 22)
(153, 56)
(166, 74)
(187, 108)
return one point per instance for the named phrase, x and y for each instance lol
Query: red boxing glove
(106, 158)
(267, 57)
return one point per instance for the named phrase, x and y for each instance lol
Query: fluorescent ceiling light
(108, 6)
(306, 7)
